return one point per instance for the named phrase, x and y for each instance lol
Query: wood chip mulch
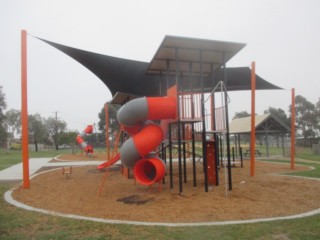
(265, 195)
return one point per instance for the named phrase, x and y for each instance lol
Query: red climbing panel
(211, 163)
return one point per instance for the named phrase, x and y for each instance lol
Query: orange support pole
(293, 120)
(106, 111)
(24, 110)
(253, 129)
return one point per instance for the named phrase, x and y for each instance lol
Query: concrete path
(14, 173)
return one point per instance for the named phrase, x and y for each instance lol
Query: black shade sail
(132, 77)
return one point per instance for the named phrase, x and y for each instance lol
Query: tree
(317, 117)
(241, 114)
(12, 123)
(68, 138)
(3, 106)
(37, 129)
(113, 122)
(305, 118)
(279, 114)
(55, 128)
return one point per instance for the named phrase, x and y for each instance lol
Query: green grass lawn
(19, 224)
(15, 156)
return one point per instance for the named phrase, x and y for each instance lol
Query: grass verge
(21, 224)
(17, 223)
(15, 156)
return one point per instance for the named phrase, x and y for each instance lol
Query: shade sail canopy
(118, 74)
(145, 79)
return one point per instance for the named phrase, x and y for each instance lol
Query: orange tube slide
(87, 148)
(135, 116)
(162, 108)
(148, 139)
(149, 170)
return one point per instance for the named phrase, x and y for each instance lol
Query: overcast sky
(282, 37)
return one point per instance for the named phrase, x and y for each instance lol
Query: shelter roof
(263, 123)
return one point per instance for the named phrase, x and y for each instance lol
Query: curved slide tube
(149, 170)
(115, 159)
(136, 116)
(87, 148)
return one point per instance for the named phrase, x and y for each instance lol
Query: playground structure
(186, 69)
(186, 138)
(196, 124)
(88, 149)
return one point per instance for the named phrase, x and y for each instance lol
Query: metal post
(233, 157)
(293, 120)
(24, 110)
(227, 125)
(106, 112)
(253, 128)
(241, 158)
(194, 156)
(164, 157)
(267, 142)
(204, 145)
(170, 157)
(213, 128)
(282, 143)
(184, 154)
(178, 122)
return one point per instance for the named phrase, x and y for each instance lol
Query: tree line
(53, 131)
(50, 131)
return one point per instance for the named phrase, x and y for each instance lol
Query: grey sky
(282, 37)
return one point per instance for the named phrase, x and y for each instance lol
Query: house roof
(263, 123)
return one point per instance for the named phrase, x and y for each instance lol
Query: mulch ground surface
(267, 194)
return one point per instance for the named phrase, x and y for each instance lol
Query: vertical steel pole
(24, 110)
(106, 112)
(253, 129)
(170, 156)
(267, 142)
(204, 145)
(227, 124)
(192, 129)
(178, 122)
(293, 120)
(213, 127)
(194, 156)
(169, 130)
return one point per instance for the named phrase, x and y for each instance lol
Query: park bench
(256, 151)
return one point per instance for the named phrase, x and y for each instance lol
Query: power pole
(56, 114)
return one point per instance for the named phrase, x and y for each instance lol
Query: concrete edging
(8, 198)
